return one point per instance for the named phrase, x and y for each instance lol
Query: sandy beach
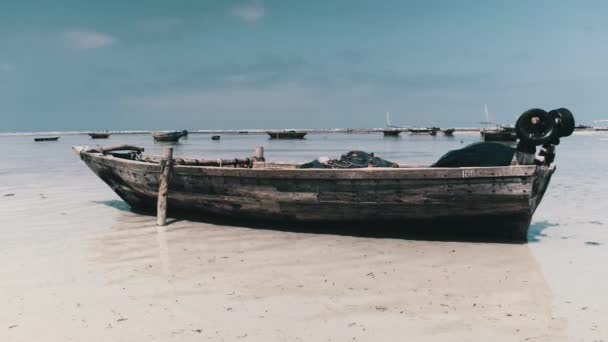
(77, 264)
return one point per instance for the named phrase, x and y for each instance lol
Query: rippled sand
(76, 264)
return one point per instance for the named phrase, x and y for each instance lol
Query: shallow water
(65, 233)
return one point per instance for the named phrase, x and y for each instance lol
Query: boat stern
(541, 183)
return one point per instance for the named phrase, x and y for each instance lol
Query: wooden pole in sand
(163, 188)
(259, 154)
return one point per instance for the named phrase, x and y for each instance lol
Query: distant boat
(286, 134)
(389, 130)
(392, 132)
(423, 130)
(498, 133)
(215, 137)
(449, 131)
(502, 133)
(99, 135)
(600, 128)
(583, 128)
(47, 139)
(243, 132)
(169, 136)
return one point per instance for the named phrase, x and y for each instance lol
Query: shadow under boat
(448, 230)
(436, 230)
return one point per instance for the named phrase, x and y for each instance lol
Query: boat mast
(388, 119)
(487, 122)
(485, 106)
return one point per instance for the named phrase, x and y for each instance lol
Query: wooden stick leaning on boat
(245, 162)
(259, 154)
(166, 165)
(105, 150)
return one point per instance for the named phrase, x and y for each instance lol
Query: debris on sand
(592, 243)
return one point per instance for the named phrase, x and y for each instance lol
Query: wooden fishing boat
(498, 199)
(583, 128)
(216, 137)
(104, 135)
(47, 139)
(286, 134)
(169, 136)
(449, 131)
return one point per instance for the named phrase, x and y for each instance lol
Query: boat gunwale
(512, 171)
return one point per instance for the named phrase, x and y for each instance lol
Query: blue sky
(92, 65)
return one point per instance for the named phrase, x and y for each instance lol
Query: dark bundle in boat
(483, 154)
(350, 160)
(496, 200)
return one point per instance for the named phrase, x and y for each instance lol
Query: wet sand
(76, 264)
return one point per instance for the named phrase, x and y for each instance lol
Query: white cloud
(83, 40)
(250, 12)
(6, 67)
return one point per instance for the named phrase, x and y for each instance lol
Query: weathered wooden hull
(496, 200)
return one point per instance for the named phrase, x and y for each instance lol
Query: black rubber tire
(567, 124)
(545, 130)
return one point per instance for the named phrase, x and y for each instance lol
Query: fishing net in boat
(350, 160)
(478, 155)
